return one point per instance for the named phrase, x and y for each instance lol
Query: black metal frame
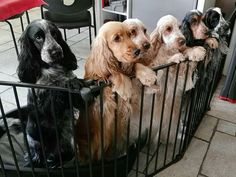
(194, 104)
(92, 25)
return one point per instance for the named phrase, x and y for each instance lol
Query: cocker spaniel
(218, 26)
(46, 59)
(113, 58)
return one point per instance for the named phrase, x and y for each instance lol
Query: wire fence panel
(80, 133)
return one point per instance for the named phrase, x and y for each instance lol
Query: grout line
(201, 139)
(213, 134)
(221, 119)
(224, 133)
(202, 175)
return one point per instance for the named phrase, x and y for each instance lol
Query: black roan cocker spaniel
(46, 59)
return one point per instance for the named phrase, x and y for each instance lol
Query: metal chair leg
(22, 24)
(94, 20)
(65, 34)
(90, 36)
(13, 37)
(27, 16)
(78, 30)
(41, 8)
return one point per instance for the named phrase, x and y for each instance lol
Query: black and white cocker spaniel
(195, 31)
(218, 26)
(46, 59)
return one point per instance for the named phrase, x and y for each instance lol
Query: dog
(218, 26)
(46, 59)
(113, 58)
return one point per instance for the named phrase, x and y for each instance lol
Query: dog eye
(169, 29)
(133, 32)
(38, 37)
(117, 38)
(194, 21)
(145, 31)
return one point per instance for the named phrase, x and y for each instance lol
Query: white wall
(203, 5)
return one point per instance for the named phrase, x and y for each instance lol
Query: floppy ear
(185, 28)
(29, 60)
(69, 61)
(156, 38)
(100, 63)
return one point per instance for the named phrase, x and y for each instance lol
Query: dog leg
(197, 53)
(145, 74)
(122, 85)
(177, 58)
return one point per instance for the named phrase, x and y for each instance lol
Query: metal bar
(150, 135)
(27, 17)
(162, 113)
(2, 167)
(94, 19)
(64, 30)
(41, 9)
(73, 130)
(22, 24)
(23, 129)
(181, 107)
(9, 138)
(115, 138)
(58, 143)
(39, 130)
(102, 130)
(13, 37)
(127, 147)
(89, 139)
(90, 36)
(171, 113)
(140, 129)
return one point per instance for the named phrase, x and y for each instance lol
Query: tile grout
(208, 147)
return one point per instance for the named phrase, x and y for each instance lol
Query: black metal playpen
(139, 158)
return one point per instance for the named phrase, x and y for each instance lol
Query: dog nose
(182, 41)
(56, 54)
(136, 52)
(146, 45)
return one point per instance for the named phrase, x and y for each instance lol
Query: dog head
(215, 21)
(168, 32)
(41, 46)
(138, 34)
(111, 46)
(193, 26)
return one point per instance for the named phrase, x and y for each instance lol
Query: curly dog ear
(101, 60)
(186, 30)
(156, 38)
(29, 60)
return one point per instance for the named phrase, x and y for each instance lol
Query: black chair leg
(41, 8)
(78, 30)
(65, 34)
(22, 24)
(90, 37)
(13, 37)
(27, 16)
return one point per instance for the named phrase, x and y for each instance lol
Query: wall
(203, 5)
(227, 6)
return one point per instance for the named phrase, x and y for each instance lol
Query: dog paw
(149, 78)
(177, 58)
(122, 86)
(212, 43)
(197, 53)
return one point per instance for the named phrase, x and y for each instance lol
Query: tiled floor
(212, 152)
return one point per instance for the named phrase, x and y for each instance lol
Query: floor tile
(227, 127)
(7, 107)
(220, 160)
(206, 128)
(222, 109)
(8, 62)
(6, 36)
(5, 77)
(9, 96)
(191, 162)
